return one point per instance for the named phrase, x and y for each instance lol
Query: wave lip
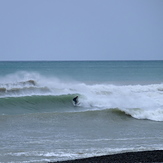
(155, 115)
(23, 88)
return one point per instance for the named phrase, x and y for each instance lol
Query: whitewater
(40, 124)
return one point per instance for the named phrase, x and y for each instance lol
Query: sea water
(121, 109)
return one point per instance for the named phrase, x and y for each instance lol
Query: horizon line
(79, 60)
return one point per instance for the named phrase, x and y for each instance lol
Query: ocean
(120, 109)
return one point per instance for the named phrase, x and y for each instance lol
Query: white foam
(141, 102)
(155, 114)
(70, 154)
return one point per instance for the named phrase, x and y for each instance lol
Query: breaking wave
(25, 92)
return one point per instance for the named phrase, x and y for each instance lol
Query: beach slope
(145, 156)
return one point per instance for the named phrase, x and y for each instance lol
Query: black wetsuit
(75, 100)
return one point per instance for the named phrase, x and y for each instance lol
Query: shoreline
(142, 156)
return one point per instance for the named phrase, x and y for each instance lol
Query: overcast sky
(81, 29)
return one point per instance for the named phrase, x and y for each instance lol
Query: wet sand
(145, 156)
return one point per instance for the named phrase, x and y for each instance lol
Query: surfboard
(77, 104)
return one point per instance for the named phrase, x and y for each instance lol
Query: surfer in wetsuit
(75, 100)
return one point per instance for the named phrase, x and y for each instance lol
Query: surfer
(75, 100)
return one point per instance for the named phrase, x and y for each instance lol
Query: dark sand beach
(145, 156)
